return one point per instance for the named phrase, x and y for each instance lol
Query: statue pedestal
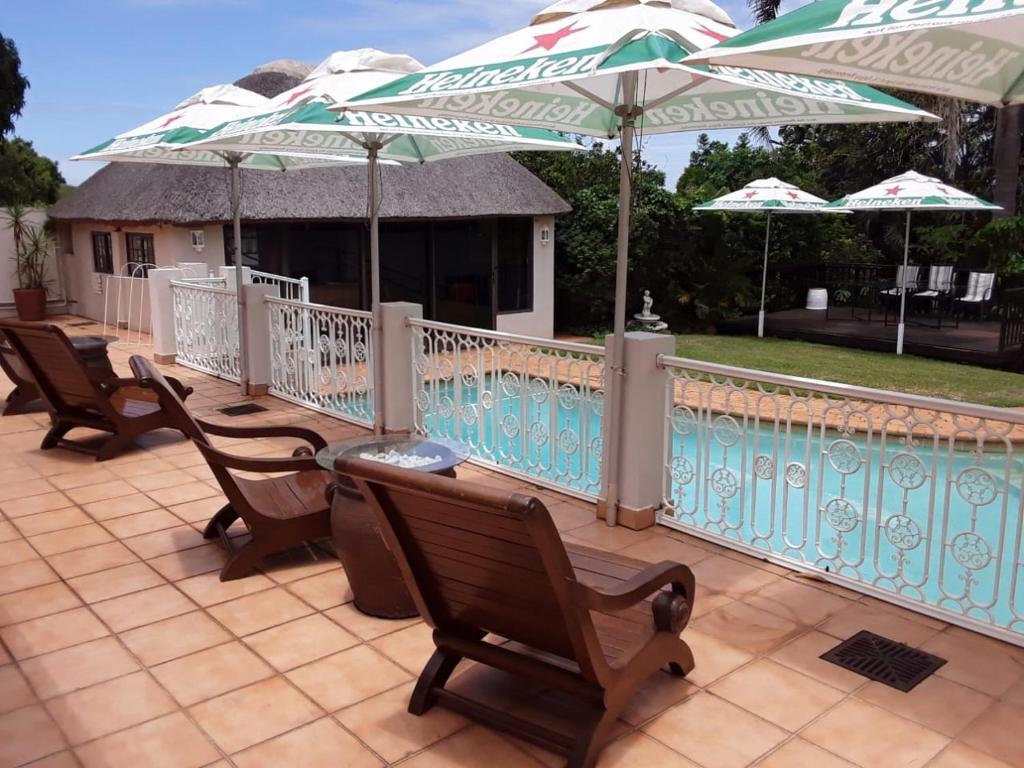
(651, 323)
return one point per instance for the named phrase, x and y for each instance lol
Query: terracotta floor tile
(802, 754)
(751, 629)
(798, 603)
(714, 657)
(998, 732)
(936, 703)
(190, 562)
(31, 573)
(168, 478)
(722, 574)
(111, 489)
(324, 591)
(893, 740)
(27, 734)
(82, 477)
(33, 505)
(778, 694)
(79, 666)
(51, 633)
(857, 616)
(35, 602)
(145, 607)
(186, 460)
(8, 532)
(661, 692)
(141, 468)
(803, 654)
(471, 745)
(207, 589)
(569, 516)
(158, 543)
(179, 493)
(115, 582)
(259, 712)
(704, 729)
(121, 506)
(299, 563)
(300, 642)
(598, 534)
(72, 538)
(170, 742)
(958, 755)
(411, 647)
(975, 661)
(19, 474)
(12, 552)
(143, 522)
(200, 510)
(14, 690)
(108, 707)
(92, 559)
(259, 611)
(23, 488)
(348, 677)
(59, 760)
(383, 724)
(57, 520)
(211, 672)
(363, 626)
(321, 744)
(172, 638)
(658, 548)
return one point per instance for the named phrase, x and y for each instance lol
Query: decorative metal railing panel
(529, 407)
(206, 328)
(912, 499)
(288, 288)
(322, 357)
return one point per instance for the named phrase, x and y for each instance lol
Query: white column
(161, 309)
(228, 273)
(257, 327)
(642, 449)
(396, 348)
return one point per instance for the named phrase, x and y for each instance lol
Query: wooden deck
(974, 342)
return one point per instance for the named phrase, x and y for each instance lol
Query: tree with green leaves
(13, 85)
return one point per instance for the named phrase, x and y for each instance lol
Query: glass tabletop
(424, 454)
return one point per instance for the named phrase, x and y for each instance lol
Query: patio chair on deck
(478, 561)
(25, 391)
(978, 294)
(280, 512)
(912, 271)
(79, 396)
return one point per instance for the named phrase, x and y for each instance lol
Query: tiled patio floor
(119, 646)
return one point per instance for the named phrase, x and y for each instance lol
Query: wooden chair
(481, 561)
(25, 391)
(280, 512)
(78, 396)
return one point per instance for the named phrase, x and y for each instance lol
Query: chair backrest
(64, 381)
(940, 278)
(909, 278)
(149, 376)
(979, 286)
(475, 558)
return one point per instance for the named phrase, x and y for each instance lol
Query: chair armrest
(220, 458)
(638, 588)
(179, 389)
(301, 433)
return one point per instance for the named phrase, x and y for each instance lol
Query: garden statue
(649, 320)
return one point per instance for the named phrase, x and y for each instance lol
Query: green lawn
(852, 366)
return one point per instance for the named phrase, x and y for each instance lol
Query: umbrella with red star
(910, 191)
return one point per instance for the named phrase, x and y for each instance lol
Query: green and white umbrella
(160, 141)
(965, 49)
(768, 196)
(601, 68)
(299, 121)
(910, 191)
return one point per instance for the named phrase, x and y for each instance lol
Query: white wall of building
(8, 272)
(540, 321)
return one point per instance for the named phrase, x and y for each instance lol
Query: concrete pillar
(257, 330)
(194, 269)
(161, 313)
(396, 399)
(228, 273)
(642, 451)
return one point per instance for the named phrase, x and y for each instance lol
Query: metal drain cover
(878, 658)
(242, 410)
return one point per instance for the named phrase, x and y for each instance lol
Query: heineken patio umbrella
(768, 196)
(605, 68)
(158, 141)
(300, 121)
(959, 48)
(909, 192)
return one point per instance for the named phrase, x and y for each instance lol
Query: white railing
(288, 288)
(206, 328)
(528, 407)
(209, 282)
(322, 357)
(126, 306)
(912, 499)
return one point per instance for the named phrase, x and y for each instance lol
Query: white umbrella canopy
(607, 67)
(910, 191)
(768, 196)
(958, 48)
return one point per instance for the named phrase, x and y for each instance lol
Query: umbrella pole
(764, 276)
(903, 289)
(236, 220)
(616, 379)
(378, 349)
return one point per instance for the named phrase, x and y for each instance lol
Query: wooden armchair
(280, 512)
(25, 391)
(79, 396)
(481, 561)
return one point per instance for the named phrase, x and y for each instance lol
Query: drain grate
(242, 410)
(878, 658)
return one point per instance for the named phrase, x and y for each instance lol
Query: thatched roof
(471, 187)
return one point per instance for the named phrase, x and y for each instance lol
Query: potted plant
(33, 245)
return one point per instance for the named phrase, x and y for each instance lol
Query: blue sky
(99, 68)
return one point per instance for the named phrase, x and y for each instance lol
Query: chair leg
(433, 678)
(113, 446)
(683, 663)
(18, 401)
(592, 739)
(246, 558)
(225, 516)
(55, 435)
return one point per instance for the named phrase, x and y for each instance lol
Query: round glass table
(377, 585)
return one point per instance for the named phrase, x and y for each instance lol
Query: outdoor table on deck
(377, 585)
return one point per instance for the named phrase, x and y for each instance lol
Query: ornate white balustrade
(322, 357)
(289, 288)
(915, 500)
(531, 407)
(206, 328)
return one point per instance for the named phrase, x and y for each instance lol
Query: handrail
(197, 287)
(534, 341)
(256, 274)
(848, 391)
(321, 307)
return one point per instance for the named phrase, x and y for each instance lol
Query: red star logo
(711, 33)
(793, 195)
(894, 190)
(750, 195)
(550, 40)
(170, 120)
(297, 94)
